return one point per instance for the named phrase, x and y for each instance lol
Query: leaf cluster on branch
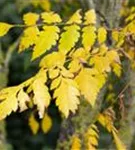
(76, 61)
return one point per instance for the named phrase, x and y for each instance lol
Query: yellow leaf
(113, 56)
(55, 83)
(89, 85)
(106, 121)
(90, 17)
(33, 123)
(118, 142)
(117, 69)
(53, 73)
(102, 35)
(89, 36)
(67, 96)
(115, 35)
(76, 18)
(52, 60)
(66, 73)
(9, 101)
(29, 38)
(76, 143)
(101, 63)
(45, 4)
(74, 65)
(46, 123)
(47, 38)
(50, 17)
(4, 28)
(81, 54)
(69, 38)
(91, 137)
(30, 18)
(41, 96)
(22, 99)
(103, 49)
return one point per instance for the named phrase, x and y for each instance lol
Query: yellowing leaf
(81, 54)
(91, 138)
(47, 38)
(67, 96)
(102, 35)
(113, 56)
(66, 73)
(106, 121)
(55, 83)
(115, 35)
(90, 17)
(53, 73)
(101, 63)
(89, 36)
(118, 142)
(69, 38)
(22, 99)
(45, 4)
(103, 49)
(74, 65)
(76, 18)
(4, 28)
(29, 38)
(46, 123)
(76, 143)
(52, 60)
(117, 69)
(9, 101)
(33, 123)
(41, 96)
(89, 85)
(30, 18)
(50, 17)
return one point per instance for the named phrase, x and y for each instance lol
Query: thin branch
(10, 51)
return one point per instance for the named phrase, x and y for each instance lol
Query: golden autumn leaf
(52, 60)
(4, 28)
(91, 137)
(50, 17)
(8, 102)
(102, 35)
(29, 38)
(47, 38)
(101, 63)
(76, 143)
(33, 123)
(89, 36)
(53, 73)
(74, 65)
(46, 123)
(30, 18)
(69, 38)
(117, 69)
(76, 18)
(103, 49)
(45, 5)
(66, 96)
(115, 35)
(90, 17)
(55, 83)
(41, 96)
(90, 85)
(22, 99)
